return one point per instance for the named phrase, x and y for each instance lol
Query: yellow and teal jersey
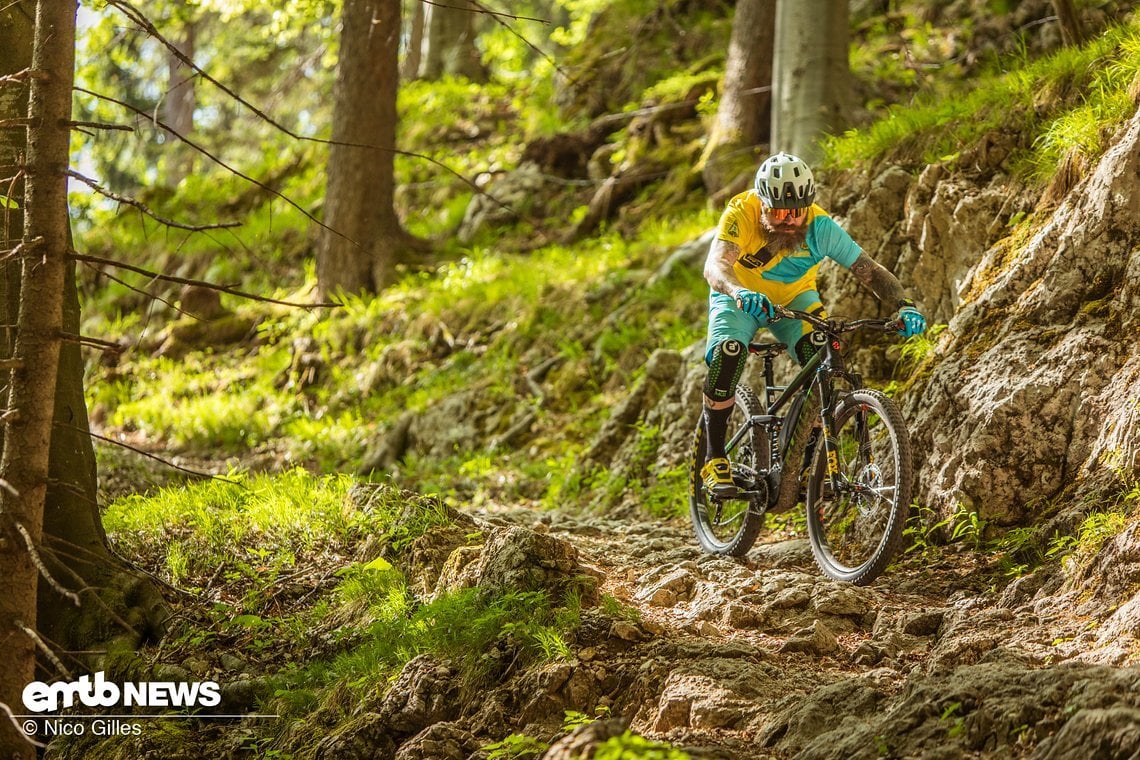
(782, 275)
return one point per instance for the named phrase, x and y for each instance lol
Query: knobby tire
(733, 535)
(856, 532)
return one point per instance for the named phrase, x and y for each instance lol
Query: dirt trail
(766, 658)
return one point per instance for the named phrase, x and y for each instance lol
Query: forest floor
(764, 657)
(948, 654)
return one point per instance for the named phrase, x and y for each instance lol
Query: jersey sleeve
(833, 241)
(734, 226)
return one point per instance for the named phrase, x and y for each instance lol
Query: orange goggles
(780, 214)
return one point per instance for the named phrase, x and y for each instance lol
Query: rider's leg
(726, 364)
(729, 331)
(796, 334)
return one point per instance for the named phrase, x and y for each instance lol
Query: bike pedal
(725, 492)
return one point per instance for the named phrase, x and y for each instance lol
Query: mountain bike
(823, 439)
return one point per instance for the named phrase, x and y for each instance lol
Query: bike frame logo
(96, 691)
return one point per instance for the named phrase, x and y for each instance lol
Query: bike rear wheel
(855, 525)
(730, 526)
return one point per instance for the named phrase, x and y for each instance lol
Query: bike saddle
(767, 350)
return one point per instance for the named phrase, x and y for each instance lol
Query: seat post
(768, 352)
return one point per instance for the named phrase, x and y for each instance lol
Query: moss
(633, 45)
(1100, 308)
(988, 272)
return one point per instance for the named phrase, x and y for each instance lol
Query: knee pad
(725, 368)
(805, 349)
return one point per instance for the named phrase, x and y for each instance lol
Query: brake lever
(779, 312)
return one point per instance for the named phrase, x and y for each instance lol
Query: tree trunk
(413, 53)
(1072, 31)
(449, 42)
(17, 26)
(811, 75)
(75, 544)
(744, 114)
(71, 524)
(178, 107)
(360, 254)
(27, 434)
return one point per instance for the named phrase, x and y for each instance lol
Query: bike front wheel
(730, 525)
(856, 514)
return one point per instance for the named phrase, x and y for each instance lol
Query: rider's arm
(718, 267)
(882, 283)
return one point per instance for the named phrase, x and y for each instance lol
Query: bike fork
(828, 436)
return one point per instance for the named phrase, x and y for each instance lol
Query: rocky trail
(766, 658)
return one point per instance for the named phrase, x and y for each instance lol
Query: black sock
(716, 428)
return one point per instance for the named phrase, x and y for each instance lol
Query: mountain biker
(770, 243)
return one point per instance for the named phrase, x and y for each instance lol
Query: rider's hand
(754, 304)
(911, 321)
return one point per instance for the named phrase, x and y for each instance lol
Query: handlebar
(836, 326)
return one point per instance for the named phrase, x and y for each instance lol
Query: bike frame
(817, 374)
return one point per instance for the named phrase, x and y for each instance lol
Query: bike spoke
(853, 516)
(730, 521)
(729, 525)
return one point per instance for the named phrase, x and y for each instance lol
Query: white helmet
(785, 181)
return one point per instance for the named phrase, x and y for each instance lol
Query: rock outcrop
(1033, 388)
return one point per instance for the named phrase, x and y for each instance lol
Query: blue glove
(754, 304)
(912, 321)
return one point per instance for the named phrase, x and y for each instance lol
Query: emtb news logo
(40, 697)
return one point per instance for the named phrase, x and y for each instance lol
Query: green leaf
(378, 564)
(248, 621)
(7, 202)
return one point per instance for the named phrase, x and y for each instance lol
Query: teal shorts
(727, 322)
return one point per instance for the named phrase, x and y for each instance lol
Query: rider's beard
(782, 237)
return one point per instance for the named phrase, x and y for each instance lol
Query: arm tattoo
(875, 276)
(718, 267)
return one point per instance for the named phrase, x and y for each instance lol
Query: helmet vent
(793, 188)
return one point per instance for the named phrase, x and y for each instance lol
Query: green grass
(249, 540)
(1078, 550)
(476, 324)
(481, 633)
(263, 518)
(1068, 101)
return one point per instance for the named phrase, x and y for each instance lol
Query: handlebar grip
(774, 310)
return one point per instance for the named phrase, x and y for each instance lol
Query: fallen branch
(39, 563)
(43, 647)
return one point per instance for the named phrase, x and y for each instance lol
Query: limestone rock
(425, 692)
(366, 737)
(1017, 402)
(520, 559)
(1111, 732)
